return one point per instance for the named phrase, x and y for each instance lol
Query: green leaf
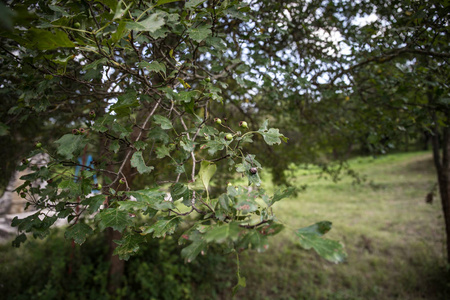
(162, 151)
(222, 233)
(132, 206)
(21, 238)
(78, 232)
(124, 103)
(246, 206)
(159, 134)
(153, 198)
(279, 195)
(154, 66)
(114, 218)
(200, 33)
(101, 124)
(207, 170)
(161, 2)
(152, 23)
(224, 202)
(95, 64)
(186, 96)
(193, 3)
(46, 40)
(163, 121)
(241, 280)
(162, 227)
(272, 136)
(193, 250)
(178, 191)
(128, 245)
(70, 145)
(137, 161)
(119, 12)
(140, 145)
(311, 237)
(114, 146)
(241, 283)
(187, 144)
(214, 146)
(254, 240)
(120, 32)
(119, 128)
(94, 203)
(271, 228)
(216, 42)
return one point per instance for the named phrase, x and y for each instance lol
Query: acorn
(229, 137)
(217, 121)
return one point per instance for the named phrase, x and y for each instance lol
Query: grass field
(394, 240)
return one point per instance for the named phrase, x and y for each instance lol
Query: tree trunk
(117, 266)
(443, 176)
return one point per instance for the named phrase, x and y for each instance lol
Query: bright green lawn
(394, 240)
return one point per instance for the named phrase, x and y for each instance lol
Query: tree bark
(443, 176)
(117, 266)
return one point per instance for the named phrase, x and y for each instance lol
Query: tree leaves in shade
(162, 227)
(137, 161)
(190, 252)
(200, 33)
(21, 238)
(153, 198)
(311, 237)
(128, 245)
(161, 2)
(193, 3)
(114, 218)
(70, 144)
(94, 203)
(254, 240)
(78, 232)
(206, 172)
(281, 194)
(154, 66)
(152, 23)
(46, 40)
(178, 191)
(222, 233)
(214, 146)
(162, 121)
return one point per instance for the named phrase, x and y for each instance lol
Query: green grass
(394, 240)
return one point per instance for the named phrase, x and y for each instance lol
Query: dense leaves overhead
(137, 85)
